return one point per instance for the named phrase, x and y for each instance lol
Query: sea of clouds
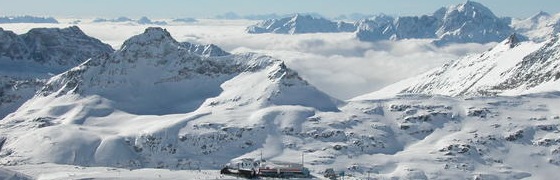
(336, 63)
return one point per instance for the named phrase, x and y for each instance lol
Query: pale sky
(211, 8)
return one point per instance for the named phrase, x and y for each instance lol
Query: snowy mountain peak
(468, 8)
(151, 35)
(464, 23)
(539, 27)
(286, 76)
(72, 31)
(471, 22)
(52, 47)
(513, 40)
(29, 59)
(471, 6)
(154, 43)
(303, 17)
(539, 16)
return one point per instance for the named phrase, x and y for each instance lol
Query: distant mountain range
(468, 22)
(143, 20)
(27, 19)
(299, 24)
(463, 23)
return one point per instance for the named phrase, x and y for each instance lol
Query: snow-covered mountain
(299, 24)
(510, 68)
(146, 105)
(27, 60)
(463, 23)
(377, 28)
(539, 27)
(63, 48)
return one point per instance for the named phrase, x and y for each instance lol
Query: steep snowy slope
(27, 60)
(299, 24)
(129, 108)
(510, 68)
(468, 22)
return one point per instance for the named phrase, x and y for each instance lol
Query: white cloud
(334, 62)
(344, 67)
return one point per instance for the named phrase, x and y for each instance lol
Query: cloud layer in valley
(336, 63)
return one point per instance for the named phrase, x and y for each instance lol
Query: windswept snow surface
(408, 137)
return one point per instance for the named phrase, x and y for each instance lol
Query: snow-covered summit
(27, 60)
(463, 23)
(51, 47)
(158, 38)
(510, 68)
(471, 22)
(298, 24)
(541, 15)
(539, 27)
(65, 47)
(377, 28)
